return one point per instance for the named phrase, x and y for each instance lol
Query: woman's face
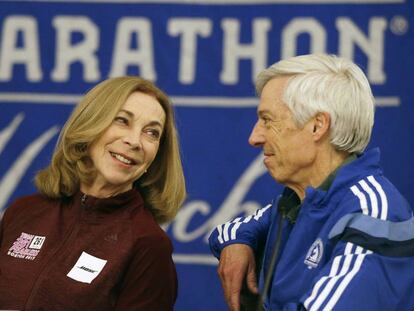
(127, 147)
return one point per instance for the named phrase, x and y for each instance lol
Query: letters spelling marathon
(133, 46)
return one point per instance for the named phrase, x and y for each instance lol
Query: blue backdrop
(205, 55)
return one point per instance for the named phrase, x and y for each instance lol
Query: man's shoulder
(376, 196)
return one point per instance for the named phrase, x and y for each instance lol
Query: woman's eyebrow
(155, 123)
(129, 113)
(151, 123)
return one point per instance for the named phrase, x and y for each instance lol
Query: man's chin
(279, 178)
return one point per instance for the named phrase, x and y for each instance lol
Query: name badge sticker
(87, 268)
(26, 246)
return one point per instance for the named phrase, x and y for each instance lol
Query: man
(340, 237)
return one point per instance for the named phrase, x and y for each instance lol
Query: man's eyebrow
(262, 113)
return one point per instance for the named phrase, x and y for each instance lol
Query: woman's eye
(154, 133)
(121, 120)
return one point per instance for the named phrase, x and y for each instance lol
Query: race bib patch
(27, 246)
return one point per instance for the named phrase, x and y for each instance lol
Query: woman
(90, 240)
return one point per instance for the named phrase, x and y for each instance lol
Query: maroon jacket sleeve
(1, 229)
(5, 218)
(150, 283)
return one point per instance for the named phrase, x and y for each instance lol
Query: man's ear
(321, 125)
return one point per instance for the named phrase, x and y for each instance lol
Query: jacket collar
(353, 168)
(365, 164)
(128, 198)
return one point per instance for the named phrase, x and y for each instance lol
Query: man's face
(289, 151)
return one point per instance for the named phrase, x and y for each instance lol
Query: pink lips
(133, 162)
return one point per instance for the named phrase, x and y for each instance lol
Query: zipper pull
(83, 199)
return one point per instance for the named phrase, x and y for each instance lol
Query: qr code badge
(37, 242)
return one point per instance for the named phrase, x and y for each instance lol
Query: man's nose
(256, 138)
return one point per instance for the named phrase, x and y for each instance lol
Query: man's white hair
(327, 83)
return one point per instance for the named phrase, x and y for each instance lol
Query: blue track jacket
(351, 247)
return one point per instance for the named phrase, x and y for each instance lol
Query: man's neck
(325, 163)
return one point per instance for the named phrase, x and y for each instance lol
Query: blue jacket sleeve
(242, 230)
(358, 279)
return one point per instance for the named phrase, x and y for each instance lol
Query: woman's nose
(132, 139)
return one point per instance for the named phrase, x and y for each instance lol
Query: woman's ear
(321, 125)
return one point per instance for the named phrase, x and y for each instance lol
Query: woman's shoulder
(148, 232)
(29, 202)
(33, 200)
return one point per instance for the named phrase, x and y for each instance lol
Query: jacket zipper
(271, 272)
(72, 231)
(83, 199)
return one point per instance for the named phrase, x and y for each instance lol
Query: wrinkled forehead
(272, 96)
(142, 105)
(273, 106)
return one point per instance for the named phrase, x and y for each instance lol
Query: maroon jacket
(85, 253)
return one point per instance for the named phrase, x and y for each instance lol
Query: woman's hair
(162, 186)
(326, 83)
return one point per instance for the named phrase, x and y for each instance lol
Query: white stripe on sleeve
(384, 201)
(332, 282)
(261, 211)
(322, 280)
(372, 198)
(332, 274)
(226, 231)
(257, 216)
(324, 289)
(362, 199)
(347, 279)
(236, 226)
(220, 233)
